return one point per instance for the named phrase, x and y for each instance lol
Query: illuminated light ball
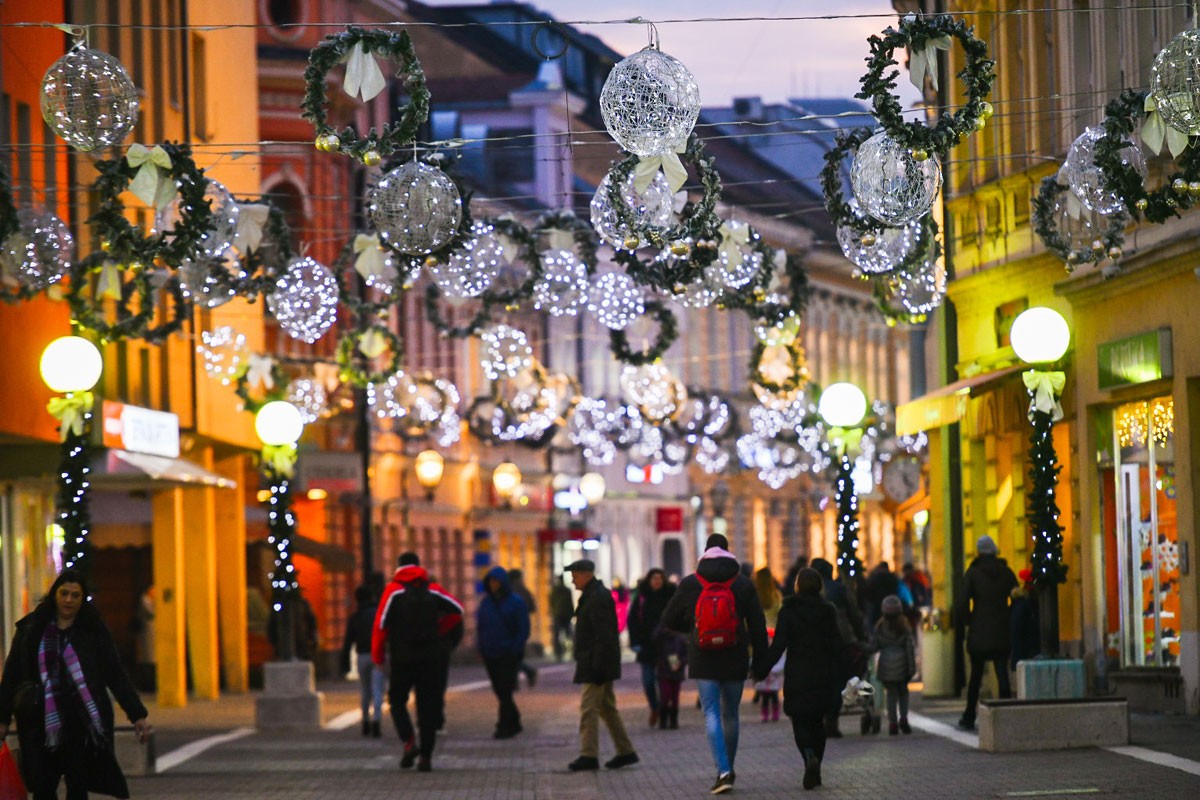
(889, 247)
(712, 457)
(1175, 82)
(224, 223)
(699, 294)
(653, 389)
(415, 208)
(305, 300)
(472, 268)
(1086, 179)
(310, 397)
(891, 185)
(506, 351)
(71, 364)
(563, 287)
(650, 102)
(922, 292)
(737, 264)
(616, 300)
(653, 210)
(88, 100)
(222, 351)
(39, 252)
(842, 405)
(278, 423)
(1040, 335)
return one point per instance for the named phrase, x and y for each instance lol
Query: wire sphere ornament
(616, 300)
(1086, 179)
(890, 184)
(305, 300)
(210, 282)
(739, 261)
(1175, 82)
(652, 209)
(223, 351)
(506, 351)
(310, 397)
(650, 102)
(39, 252)
(88, 100)
(712, 457)
(563, 286)
(657, 394)
(222, 227)
(923, 291)
(591, 428)
(877, 251)
(700, 294)
(472, 269)
(416, 208)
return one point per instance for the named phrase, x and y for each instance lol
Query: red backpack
(717, 621)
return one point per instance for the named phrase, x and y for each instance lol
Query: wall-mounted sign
(668, 519)
(140, 430)
(1140, 358)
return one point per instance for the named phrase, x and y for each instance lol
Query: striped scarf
(49, 655)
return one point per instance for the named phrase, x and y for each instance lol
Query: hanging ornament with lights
(657, 394)
(310, 397)
(506, 351)
(653, 208)
(1074, 233)
(616, 300)
(1175, 83)
(650, 102)
(590, 427)
(417, 406)
(668, 331)
(264, 242)
(563, 286)
(1086, 178)
(305, 300)
(472, 268)
(37, 253)
(779, 367)
(519, 266)
(892, 185)
(222, 351)
(739, 261)
(416, 208)
(88, 99)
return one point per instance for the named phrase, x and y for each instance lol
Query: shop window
(1141, 535)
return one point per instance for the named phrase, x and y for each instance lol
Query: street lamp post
(1040, 337)
(843, 406)
(506, 477)
(429, 466)
(72, 365)
(279, 425)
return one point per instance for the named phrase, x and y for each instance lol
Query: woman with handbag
(61, 666)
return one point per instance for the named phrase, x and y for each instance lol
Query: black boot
(675, 718)
(664, 719)
(812, 769)
(366, 728)
(375, 731)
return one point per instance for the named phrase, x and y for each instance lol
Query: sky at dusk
(773, 59)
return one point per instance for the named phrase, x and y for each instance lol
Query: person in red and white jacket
(417, 625)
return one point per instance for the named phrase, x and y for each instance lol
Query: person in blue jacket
(501, 631)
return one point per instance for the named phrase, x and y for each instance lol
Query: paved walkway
(337, 762)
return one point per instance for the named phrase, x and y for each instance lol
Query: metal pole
(366, 511)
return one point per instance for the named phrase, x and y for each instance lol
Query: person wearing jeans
(720, 672)
(371, 679)
(653, 594)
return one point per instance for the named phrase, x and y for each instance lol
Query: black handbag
(28, 699)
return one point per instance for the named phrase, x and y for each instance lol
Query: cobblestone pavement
(469, 764)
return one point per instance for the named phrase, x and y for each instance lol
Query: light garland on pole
(279, 425)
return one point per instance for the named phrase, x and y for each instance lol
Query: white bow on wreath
(922, 61)
(152, 184)
(371, 262)
(259, 371)
(1156, 132)
(363, 75)
(252, 219)
(669, 163)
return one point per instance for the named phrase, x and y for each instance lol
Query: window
(288, 198)
(284, 12)
(200, 88)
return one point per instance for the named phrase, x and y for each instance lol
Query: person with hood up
(988, 584)
(416, 626)
(501, 631)
(717, 595)
(645, 611)
(370, 677)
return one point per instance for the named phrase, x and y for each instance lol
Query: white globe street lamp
(842, 405)
(71, 364)
(279, 423)
(592, 486)
(1040, 335)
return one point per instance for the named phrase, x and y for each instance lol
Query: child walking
(768, 689)
(670, 669)
(897, 661)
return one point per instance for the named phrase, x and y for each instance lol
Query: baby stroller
(862, 693)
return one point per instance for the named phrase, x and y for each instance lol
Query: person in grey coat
(988, 584)
(897, 661)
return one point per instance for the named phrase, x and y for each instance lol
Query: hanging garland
(525, 241)
(668, 332)
(135, 300)
(587, 243)
(1048, 569)
(797, 363)
(74, 513)
(848, 564)
(480, 320)
(374, 147)
(923, 35)
(9, 226)
(1107, 243)
(1180, 189)
(263, 264)
(796, 298)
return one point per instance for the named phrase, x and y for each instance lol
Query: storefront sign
(335, 472)
(929, 413)
(140, 430)
(1136, 359)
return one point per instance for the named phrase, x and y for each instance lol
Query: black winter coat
(597, 641)
(358, 634)
(645, 612)
(807, 631)
(102, 670)
(988, 584)
(731, 663)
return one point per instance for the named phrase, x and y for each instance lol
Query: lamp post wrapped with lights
(279, 425)
(72, 365)
(843, 406)
(1040, 337)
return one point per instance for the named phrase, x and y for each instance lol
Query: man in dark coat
(597, 665)
(417, 624)
(720, 674)
(501, 631)
(653, 593)
(987, 586)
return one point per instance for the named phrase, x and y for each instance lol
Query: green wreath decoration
(699, 221)
(135, 306)
(799, 366)
(668, 332)
(262, 265)
(1180, 190)
(1108, 244)
(348, 347)
(798, 292)
(374, 147)
(917, 32)
(587, 242)
(433, 314)
(526, 242)
(752, 294)
(241, 386)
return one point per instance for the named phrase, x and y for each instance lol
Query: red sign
(550, 535)
(668, 519)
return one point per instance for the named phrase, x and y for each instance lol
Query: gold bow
(922, 61)
(732, 241)
(252, 219)
(280, 458)
(109, 284)
(1155, 131)
(668, 162)
(371, 261)
(152, 184)
(1045, 388)
(258, 370)
(372, 343)
(71, 411)
(363, 76)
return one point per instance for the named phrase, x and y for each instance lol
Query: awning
(947, 404)
(120, 469)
